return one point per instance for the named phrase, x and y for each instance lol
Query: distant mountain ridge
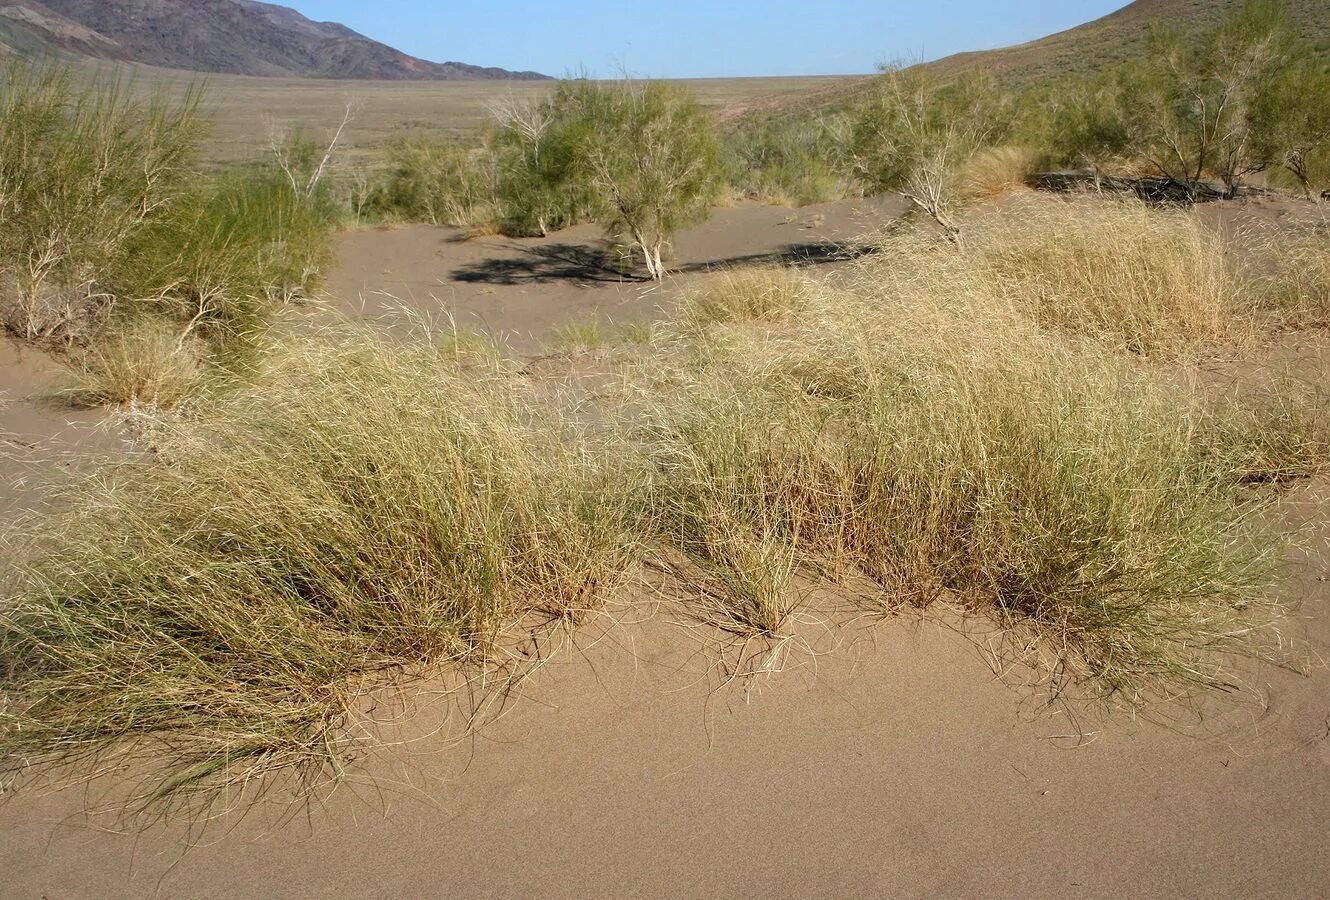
(238, 37)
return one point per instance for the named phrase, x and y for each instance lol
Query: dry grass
(916, 426)
(1276, 429)
(584, 336)
(997, 172)
(1141, 279)
(1289, 270)
(932, 422)
(143, 363)
(370, 511)
(771, 294)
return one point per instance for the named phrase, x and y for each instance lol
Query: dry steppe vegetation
(998, 406)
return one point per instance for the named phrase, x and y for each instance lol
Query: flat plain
(243, 108)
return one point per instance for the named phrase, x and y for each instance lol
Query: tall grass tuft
(141, 363)
(1277, 429)
(369, 512)
(766, 294)
(915, 426)
(996, 172)
(1145, 280)
(1289, 271)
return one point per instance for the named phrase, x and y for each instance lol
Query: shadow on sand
(601, 263)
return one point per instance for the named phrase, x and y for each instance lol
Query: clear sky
(691, 38)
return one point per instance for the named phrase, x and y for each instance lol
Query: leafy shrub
(787, 161)
(83, 169)
(440, 181)
(915, 135)
(104, 209)
(641, 159)
(544, 181)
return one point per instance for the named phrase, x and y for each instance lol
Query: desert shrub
(83, 168)
(225, 258)
(1243, 98)
(655, 161)
(367, 512)
(1292, 123)
(1195, 99)
(1088, 125)
(104, 209)
(544, 180)
(793, 161)
(771, 294)
(243, 233)
(641, 159)
(140, 363)
(914, 428)
(1142, 279)
(439, 181)
(915, 135)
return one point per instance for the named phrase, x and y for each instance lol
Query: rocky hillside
(241, 37)
(1122, 35)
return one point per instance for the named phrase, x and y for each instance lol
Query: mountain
(240, 37)
(1122, 35)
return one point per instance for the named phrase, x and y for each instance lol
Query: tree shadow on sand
(551, 263)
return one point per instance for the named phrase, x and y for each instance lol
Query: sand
(892, 761)
(243, 110)
(40, 436)
(518, 290)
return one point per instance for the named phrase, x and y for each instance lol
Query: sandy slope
(892, 767)
(894, 762)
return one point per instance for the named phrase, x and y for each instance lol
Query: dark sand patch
(519, 289)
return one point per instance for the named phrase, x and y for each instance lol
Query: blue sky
(692, 38)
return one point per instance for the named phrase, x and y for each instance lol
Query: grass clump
(439, 181)
(140, 364)
(1277, 430)
(1289, 271)
(915, 429)
(583, 336)
(1145, 280)
(221, 606)
(764, 294)
(722, 496)
(997, 172)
